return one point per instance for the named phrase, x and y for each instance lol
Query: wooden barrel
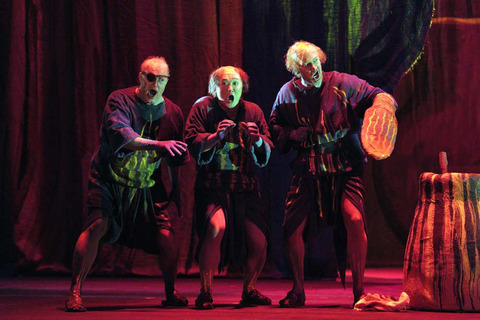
(442, 257)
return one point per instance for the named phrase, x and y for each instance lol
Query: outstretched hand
(251, 130)
(223, 126)
(173, 147)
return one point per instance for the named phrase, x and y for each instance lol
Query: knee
(166, 243)
(354, 219)
(355, 226)
(98, 228)
(216, 229)
(292, 239)
(258, 248)
(166, 236)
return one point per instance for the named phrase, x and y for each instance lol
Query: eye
(235, 83)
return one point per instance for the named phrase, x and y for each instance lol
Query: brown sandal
(74, 303)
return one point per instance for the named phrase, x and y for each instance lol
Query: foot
(292, 300)
(204, 301)
(357, 297)
(74, 303)
(175, 299)
(255, 298)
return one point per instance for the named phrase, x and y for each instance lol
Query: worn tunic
(125, 185)
(225, 174)
(330, 163)
(229, 165)
(333, 114)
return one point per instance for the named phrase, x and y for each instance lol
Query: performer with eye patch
(127, 201)
(227, 137)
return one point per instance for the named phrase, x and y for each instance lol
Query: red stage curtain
(59, 60)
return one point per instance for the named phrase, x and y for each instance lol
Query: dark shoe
(204, 301)
(255, 298)
(176, 299)
(292, 300)
(357, 298)
(74, 303)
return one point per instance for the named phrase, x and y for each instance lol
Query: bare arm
(173, 147)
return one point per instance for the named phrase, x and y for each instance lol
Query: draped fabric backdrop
(59, 60)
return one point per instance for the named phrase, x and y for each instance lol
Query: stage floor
(140, 298)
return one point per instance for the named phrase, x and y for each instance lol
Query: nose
(230, 88)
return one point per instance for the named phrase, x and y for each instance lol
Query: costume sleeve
(178, 134)
(261, 159)
(118, 121)
(279, 128)
(196, 135)
(360, 93)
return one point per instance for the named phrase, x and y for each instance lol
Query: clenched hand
(223, 126)
(299, 134)
(251, 130)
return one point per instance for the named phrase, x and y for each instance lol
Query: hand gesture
(299, 134)
(223, 126)
(173, 147)
(251, 130)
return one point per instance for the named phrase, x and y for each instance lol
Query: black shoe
(175, 300)
(204, 301)
(292, 300)
(255, 298)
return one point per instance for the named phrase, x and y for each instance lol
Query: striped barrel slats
(442, 257)
(379, 132)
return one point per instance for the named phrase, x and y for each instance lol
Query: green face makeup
(230, 88)
(311, 70)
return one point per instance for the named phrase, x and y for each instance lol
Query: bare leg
(85, 253)
(295, 254)
(168, 265)
(256, 256)
(356, 245)
(209, 256)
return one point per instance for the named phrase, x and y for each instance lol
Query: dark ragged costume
(331, 162)
(125, 185)
(225, 174)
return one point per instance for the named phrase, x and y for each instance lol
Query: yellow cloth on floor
(380, 302)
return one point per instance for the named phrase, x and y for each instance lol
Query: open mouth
(152, 93)
(231, 98)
